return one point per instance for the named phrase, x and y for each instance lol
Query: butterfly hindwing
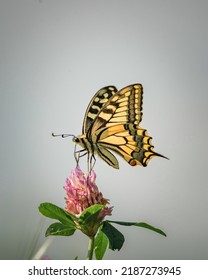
(107, 156)
(128, 140)
(96, 104)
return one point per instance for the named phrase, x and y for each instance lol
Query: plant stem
(90, 248)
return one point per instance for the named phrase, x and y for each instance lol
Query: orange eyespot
(133, 162)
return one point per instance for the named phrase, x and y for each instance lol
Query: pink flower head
(82, 192)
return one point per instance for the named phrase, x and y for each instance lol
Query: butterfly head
(80, 140)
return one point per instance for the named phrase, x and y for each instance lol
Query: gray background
(54, 55)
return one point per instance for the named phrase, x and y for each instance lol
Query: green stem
(90, 248)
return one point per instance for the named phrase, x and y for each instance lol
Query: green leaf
(144, 225)
(90, 214)
(60, 229)
(54, 212)
(101, 244)
(115, 237)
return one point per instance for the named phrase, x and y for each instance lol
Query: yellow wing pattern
(128, 140)
(112, 123)
(123, 107)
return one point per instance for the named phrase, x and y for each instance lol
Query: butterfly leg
(91, 162)
(77, 154)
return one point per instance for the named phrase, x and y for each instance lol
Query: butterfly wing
(96, 104)
(116, 127)
(129, 141)
(125, 106)
(107, 156)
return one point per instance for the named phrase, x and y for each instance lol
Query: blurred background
(54, 56)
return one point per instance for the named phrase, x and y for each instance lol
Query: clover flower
(82, 192)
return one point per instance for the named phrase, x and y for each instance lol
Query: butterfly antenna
(63, 135)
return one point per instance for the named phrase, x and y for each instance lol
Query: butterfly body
(112, 123)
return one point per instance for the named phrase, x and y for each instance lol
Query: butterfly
(111, 123)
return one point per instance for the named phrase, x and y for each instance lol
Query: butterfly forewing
(123, 107)
(96, 104)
